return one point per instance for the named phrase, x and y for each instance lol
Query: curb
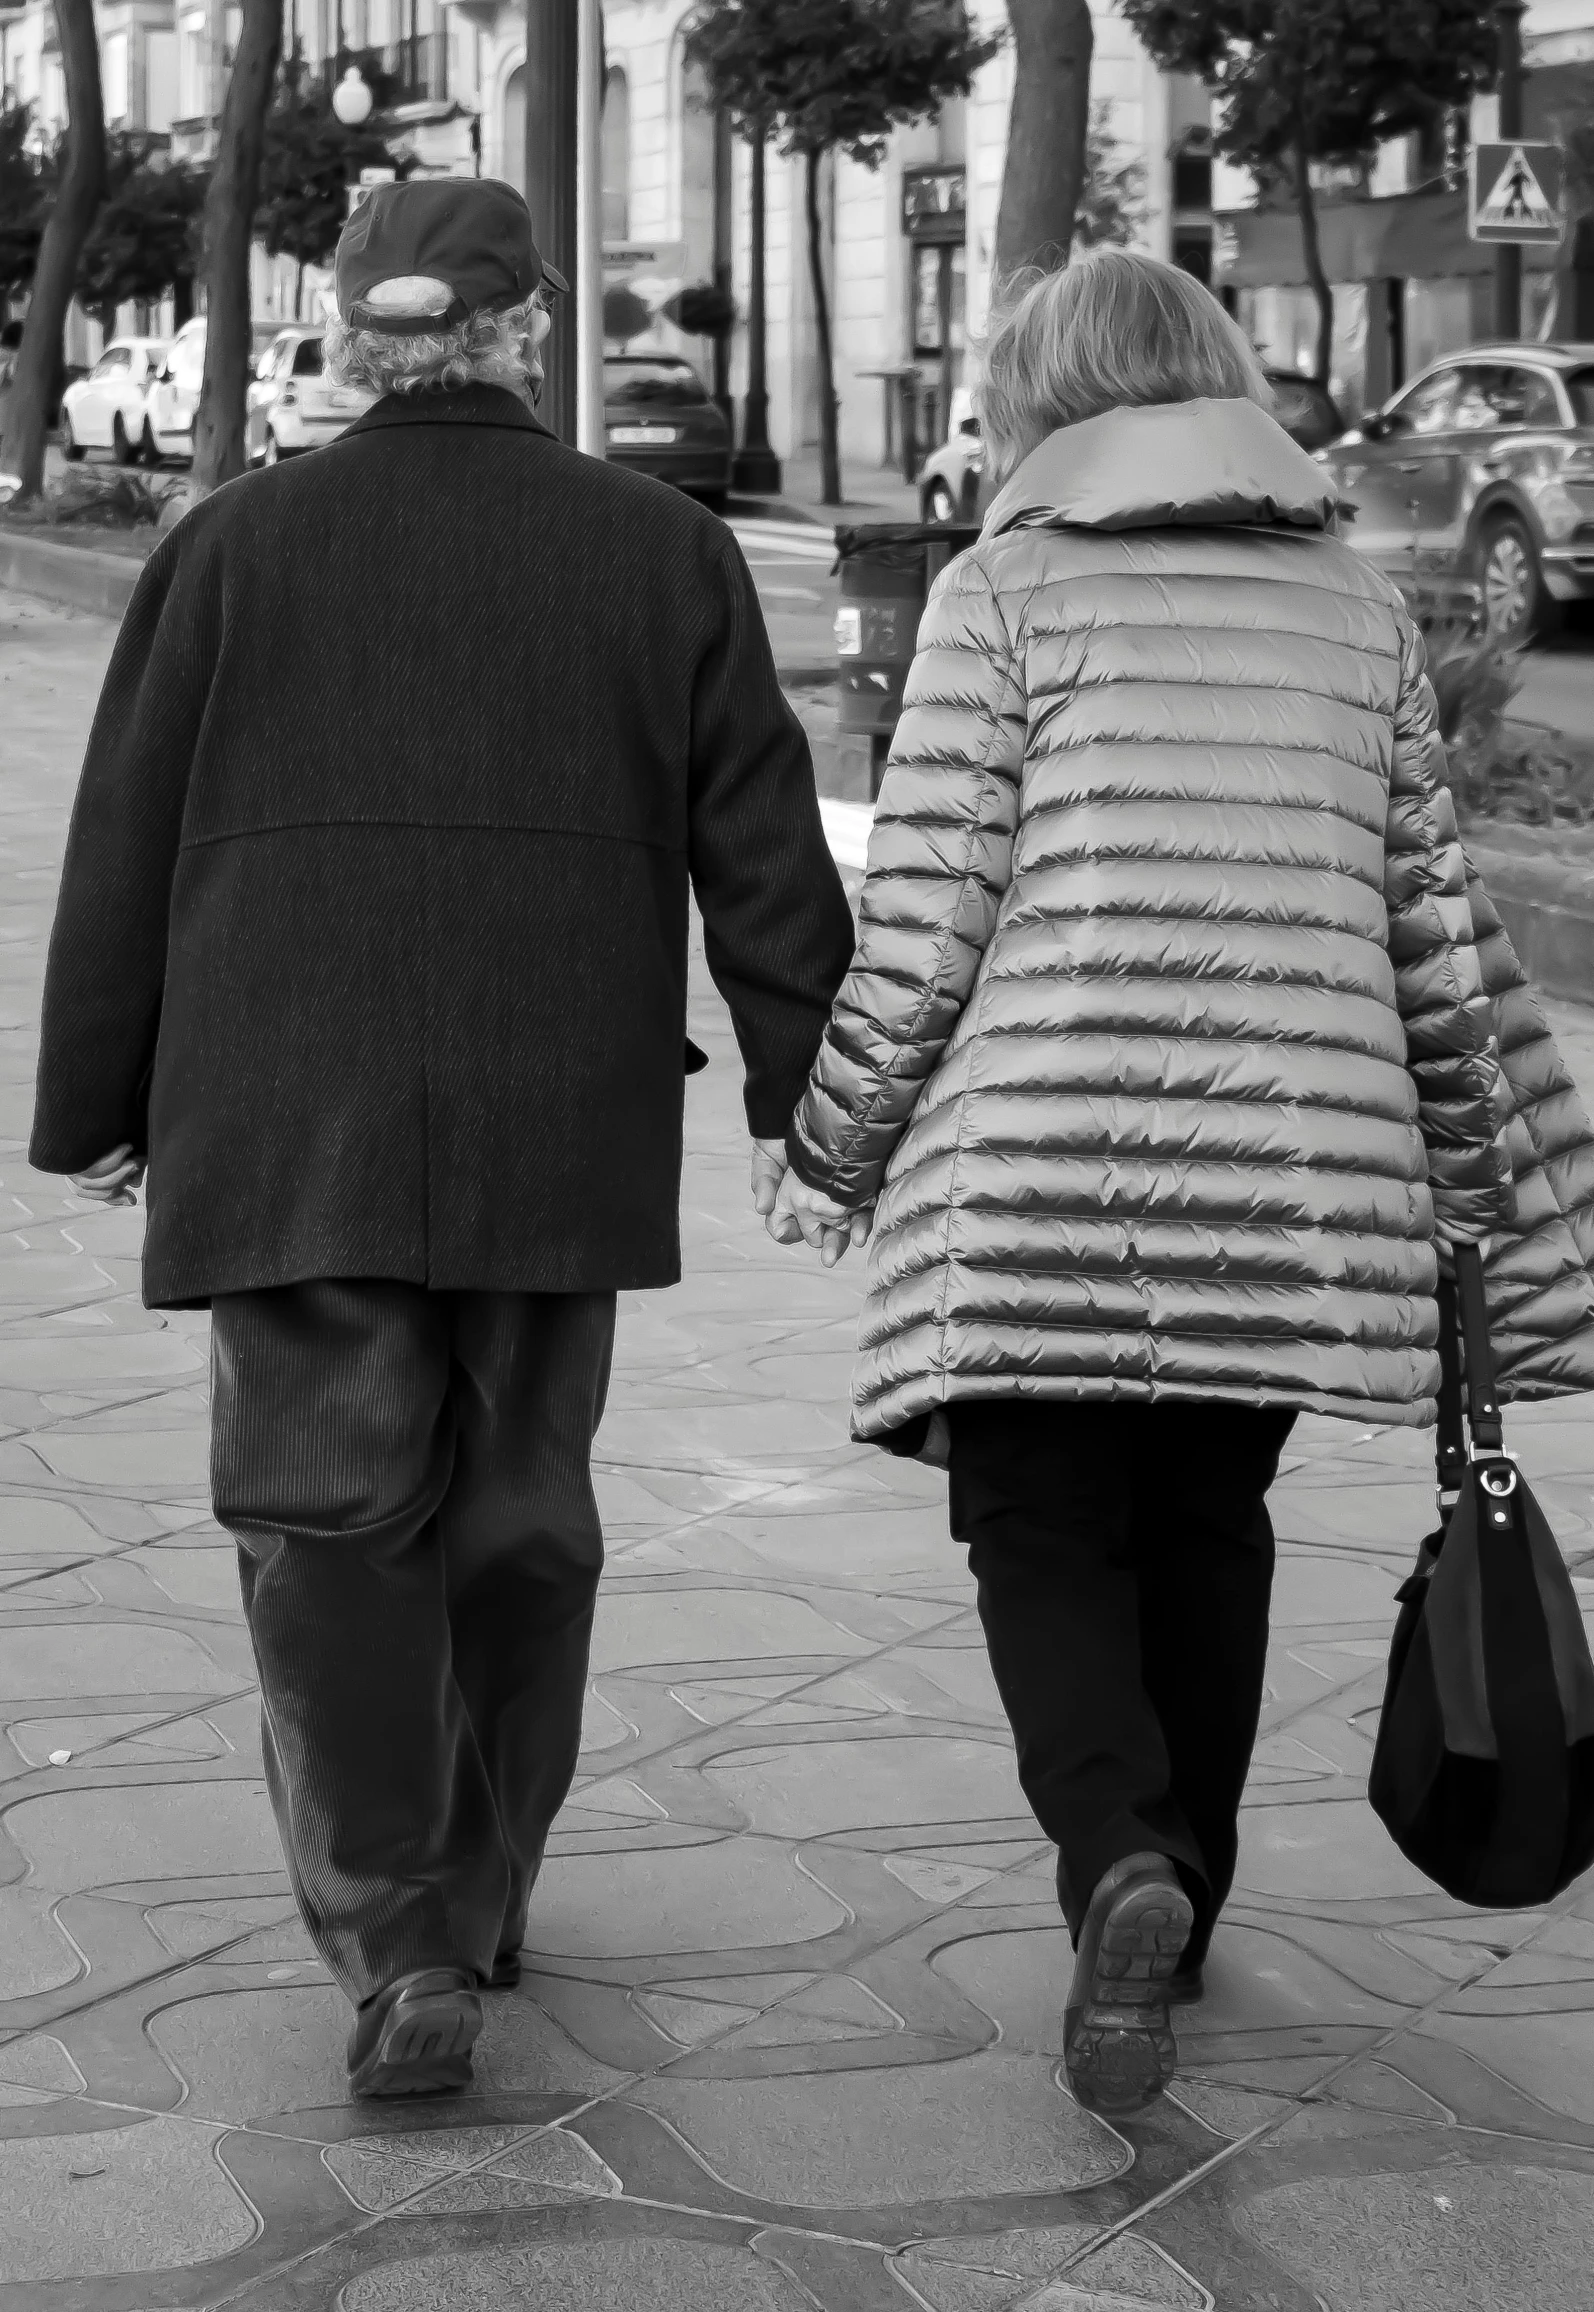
(1547, 907)
(75, 575)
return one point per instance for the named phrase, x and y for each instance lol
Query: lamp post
(756, 468)
(1508, 16)
(553, 46)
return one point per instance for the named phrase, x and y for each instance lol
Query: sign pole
(1508, 255)
(553, 44)
(586, 323)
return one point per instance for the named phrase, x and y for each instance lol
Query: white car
(173, 397)
(105, 410)
(291, 405)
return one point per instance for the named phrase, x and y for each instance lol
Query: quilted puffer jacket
(1165, 1036)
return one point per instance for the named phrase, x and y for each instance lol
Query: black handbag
(1483, 1772)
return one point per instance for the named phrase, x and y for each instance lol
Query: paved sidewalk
(790, 2035)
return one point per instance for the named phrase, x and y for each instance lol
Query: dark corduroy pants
(407, 1477)
(1124, 1562)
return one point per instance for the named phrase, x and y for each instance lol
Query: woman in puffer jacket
(1164, 1061)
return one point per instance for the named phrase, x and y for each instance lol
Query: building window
(616, 156)
(939, 284)
(1192, 252)
(1192, 179)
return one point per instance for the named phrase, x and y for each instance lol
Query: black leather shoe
(1118, 2044)
(415, 2037)
(506, 1972)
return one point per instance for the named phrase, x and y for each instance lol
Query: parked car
(1483, 464)
(291, 406)
(951, 480)
(105, 409)
(173, 395)
(658, 419)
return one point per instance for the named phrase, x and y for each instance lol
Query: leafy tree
(1300, 81)
(27, 181)
(1112, 198)
(145, 239)
(827, 76)
(227, 228)
(77, 197)
(1044, 173)
(308, 161)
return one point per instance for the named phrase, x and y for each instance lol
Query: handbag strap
(1451, 1454)
(1483, 1404)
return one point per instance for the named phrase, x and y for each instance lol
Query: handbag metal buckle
(1498, 1481)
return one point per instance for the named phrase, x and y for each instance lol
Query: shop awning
(1403, 237)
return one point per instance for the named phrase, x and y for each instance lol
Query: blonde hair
(1116, 329)
(484, 349)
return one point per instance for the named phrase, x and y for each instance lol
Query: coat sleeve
(940, 859)
(1451, 1050)
(777, 930)
(107, 961)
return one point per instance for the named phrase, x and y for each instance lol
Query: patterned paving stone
(605, 2276)
(133, 2199)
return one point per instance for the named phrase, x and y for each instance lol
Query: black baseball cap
(424, 256)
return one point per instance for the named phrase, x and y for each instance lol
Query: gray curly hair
(485, 349)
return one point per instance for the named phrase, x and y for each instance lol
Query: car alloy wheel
(71, 447)
(1515, 606)
(938, 506)
(121, 448)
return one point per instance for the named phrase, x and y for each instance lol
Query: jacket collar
(1207, 464)
(490, 405)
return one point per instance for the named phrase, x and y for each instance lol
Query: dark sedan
(659, 420)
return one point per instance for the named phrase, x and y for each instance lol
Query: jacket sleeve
(940, 859)
(1463, 1101)
(777, 929)
(107, 961)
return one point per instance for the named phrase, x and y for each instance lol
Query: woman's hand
(801, 1211)
(113, 1179)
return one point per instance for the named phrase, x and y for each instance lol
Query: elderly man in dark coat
(372, 941)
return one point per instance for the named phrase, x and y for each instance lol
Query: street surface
(790, 2027)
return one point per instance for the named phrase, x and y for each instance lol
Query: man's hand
(769, 1170)
(801, 1211)
(113, 1179)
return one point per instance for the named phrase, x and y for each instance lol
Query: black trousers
(407, 1476)
(1124, 1562)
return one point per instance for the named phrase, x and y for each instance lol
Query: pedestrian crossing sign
(1515, 193)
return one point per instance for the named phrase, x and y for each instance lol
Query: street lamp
(352, 99)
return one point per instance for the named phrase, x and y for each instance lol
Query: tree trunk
(182, 300)
(1312, 254)
(1044, 172)
(227, 231)
(829, 445)
(81, 189)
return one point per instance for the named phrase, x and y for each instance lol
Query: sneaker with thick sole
(1118, 2044)
(415, 2037)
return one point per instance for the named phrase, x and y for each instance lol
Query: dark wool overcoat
(373, 923)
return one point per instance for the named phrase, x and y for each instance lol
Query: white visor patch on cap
(408, 297)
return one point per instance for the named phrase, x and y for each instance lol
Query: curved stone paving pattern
(790, 2030)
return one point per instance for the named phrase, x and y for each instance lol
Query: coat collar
(1205, 463)
(490, 405)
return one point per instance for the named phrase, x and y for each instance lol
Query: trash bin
(886, 572)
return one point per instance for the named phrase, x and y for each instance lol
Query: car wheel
(271, 455)
(939, 505)
(1517, 605)
(121, 448)
(71, 447)
(713, 499)
(146, 447)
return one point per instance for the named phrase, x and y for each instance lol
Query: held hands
(793, 1212)
(113, 1179)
